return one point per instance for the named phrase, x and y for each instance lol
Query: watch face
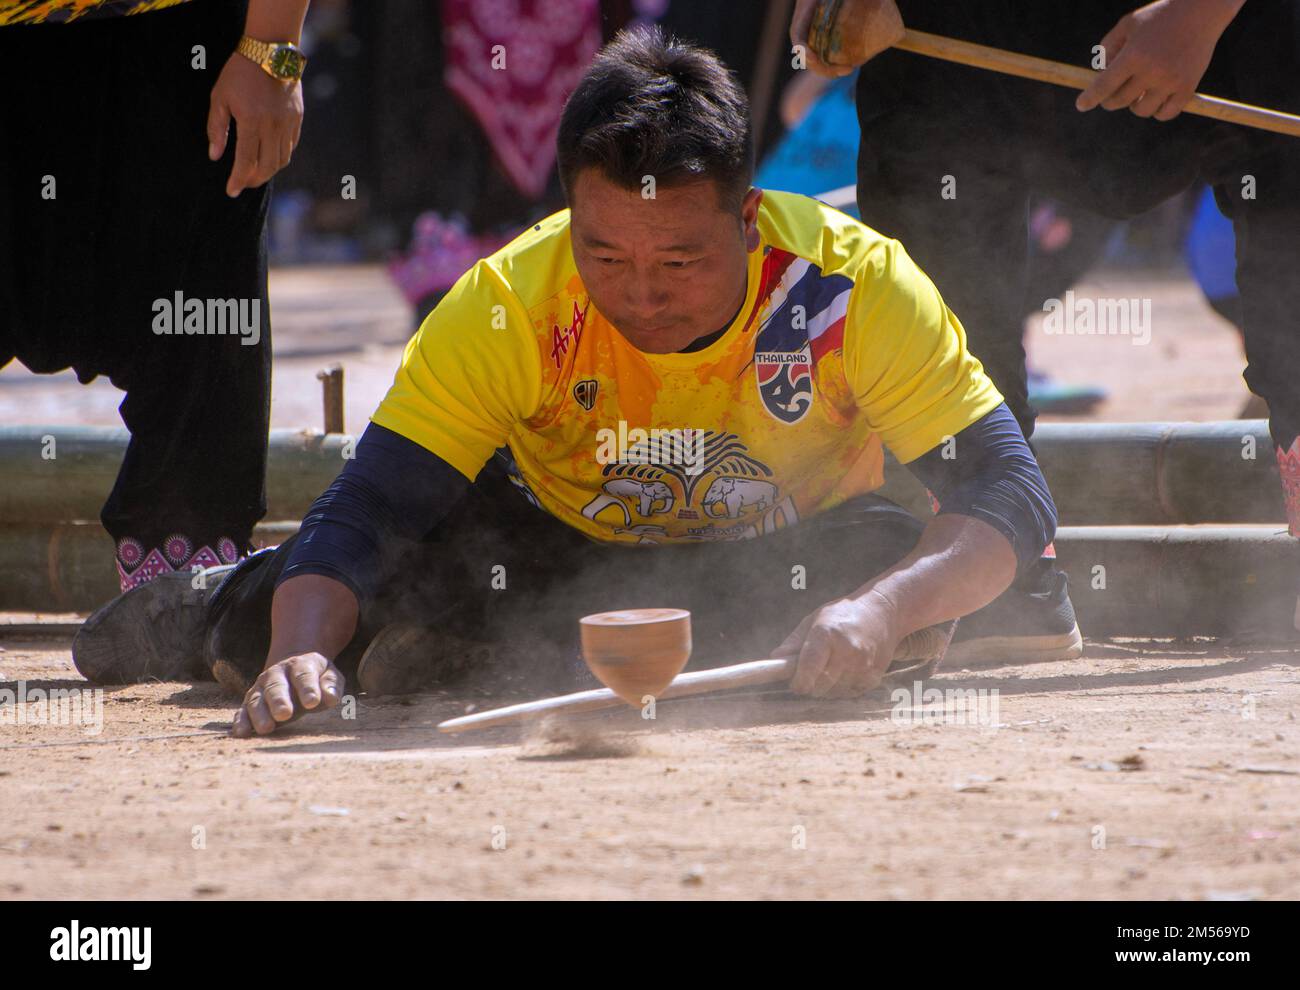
(287, 62)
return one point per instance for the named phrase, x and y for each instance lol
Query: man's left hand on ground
(1156, 56)
(843, 648)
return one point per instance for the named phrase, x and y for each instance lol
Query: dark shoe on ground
(239, 622)
(151, 633)
(1023, 625)
(230, 678)
(405, 659)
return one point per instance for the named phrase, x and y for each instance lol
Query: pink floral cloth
(514, 62)
(137, 565)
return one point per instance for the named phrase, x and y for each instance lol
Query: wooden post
(331, 379)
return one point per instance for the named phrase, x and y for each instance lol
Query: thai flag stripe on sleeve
(826, 329)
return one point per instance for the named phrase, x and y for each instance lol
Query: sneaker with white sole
(1034, 625)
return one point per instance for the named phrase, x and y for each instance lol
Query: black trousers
(108, 203)
(500, 571)
(1002, 139)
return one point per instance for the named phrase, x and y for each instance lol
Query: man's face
(667, 270)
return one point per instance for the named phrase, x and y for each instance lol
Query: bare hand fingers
(331, 685)
(305, 675)
(1126, 95)
(1175, 105)
(317, 683)
(1115, 73)
(276, 692)
(242, 727)
(256, 711)
(244, 172)
(810, 676)
(270, 150)
(218, 128)
(1150, 102)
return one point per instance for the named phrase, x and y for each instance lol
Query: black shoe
(151, 633)
(1031, 622)
(239, 622)
(405, 659)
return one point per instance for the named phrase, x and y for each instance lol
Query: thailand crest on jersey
(803, 319)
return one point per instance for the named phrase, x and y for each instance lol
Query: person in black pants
(132, 245)
(950, 156)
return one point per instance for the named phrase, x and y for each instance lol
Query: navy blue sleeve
(392, 492)
(992, 475)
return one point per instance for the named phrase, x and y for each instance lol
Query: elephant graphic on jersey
(648, 494)
(735, 494)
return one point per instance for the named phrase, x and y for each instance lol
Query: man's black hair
(652, 105)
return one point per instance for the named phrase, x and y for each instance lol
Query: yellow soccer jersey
(842, 345)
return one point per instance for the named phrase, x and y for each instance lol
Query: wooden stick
(696, 682)
(1078, 77)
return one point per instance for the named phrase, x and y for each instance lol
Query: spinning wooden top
(636, 651)
(641, 651)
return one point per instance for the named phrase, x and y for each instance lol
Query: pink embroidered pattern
(177, 549)
(135, 567)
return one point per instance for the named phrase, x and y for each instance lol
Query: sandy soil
(1145, 770)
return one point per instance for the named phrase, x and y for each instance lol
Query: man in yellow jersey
(675, 393)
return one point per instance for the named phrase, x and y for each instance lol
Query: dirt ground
(1144, 770)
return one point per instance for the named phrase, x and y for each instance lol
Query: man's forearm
(311, 614)
(960, 565)
(275, 20)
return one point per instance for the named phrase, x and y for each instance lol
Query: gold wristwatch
(283, 61)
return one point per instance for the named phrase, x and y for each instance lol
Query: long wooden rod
(697, 682)
(1078, 77)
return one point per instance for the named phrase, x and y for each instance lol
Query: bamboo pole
(1154, 580)
(1099, 473)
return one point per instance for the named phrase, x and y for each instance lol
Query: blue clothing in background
(820, 154)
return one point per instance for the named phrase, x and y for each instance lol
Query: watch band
(262, 53)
